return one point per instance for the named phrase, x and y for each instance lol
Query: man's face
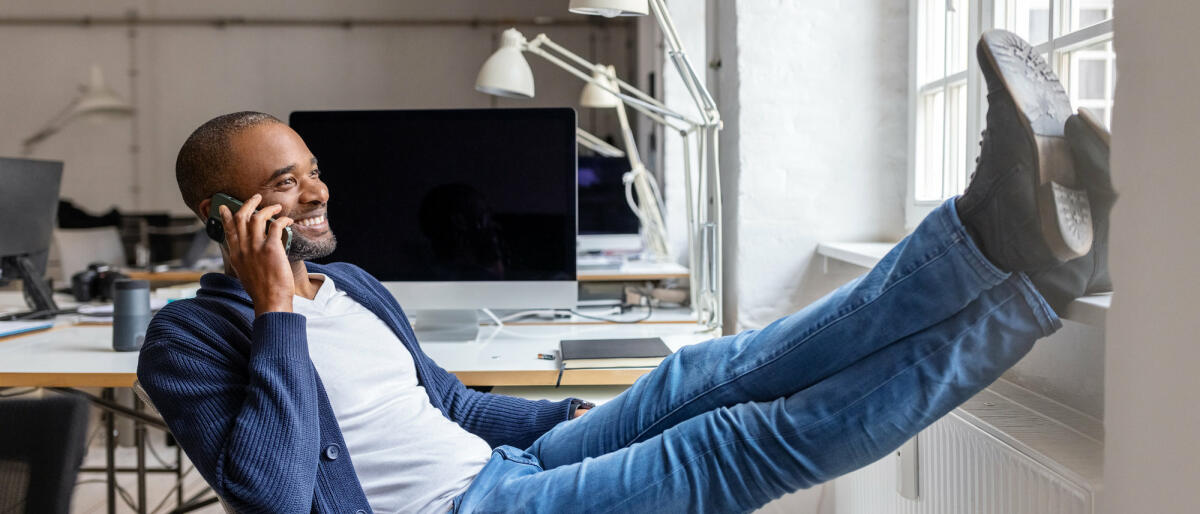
(270, 159)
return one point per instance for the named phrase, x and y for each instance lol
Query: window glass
(957, 18)
(930, 130)
(954, 171)
(1089, 74)
(1085, 13)
(1029, 19)
(932, 42)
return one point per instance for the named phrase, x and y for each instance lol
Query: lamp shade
(98, 101)
(596, 97)
(610, 8)
(506, 72)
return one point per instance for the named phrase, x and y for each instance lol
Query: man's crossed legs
(730, 424)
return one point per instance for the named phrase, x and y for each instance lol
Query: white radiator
(964, 470)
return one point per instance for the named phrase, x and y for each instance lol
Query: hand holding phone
(252, 239)
(216, 230)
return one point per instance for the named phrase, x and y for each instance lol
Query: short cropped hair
(206, 157)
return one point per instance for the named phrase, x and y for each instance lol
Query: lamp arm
(658, 114)
(50, 128)
(596, 144)
(700, 94)
(543, 39)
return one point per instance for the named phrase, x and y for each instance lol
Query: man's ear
(203, 209)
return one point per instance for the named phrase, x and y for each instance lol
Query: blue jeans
(730, 424)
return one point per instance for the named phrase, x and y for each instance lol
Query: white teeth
(315, 220)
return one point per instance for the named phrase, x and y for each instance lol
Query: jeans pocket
(506, 463)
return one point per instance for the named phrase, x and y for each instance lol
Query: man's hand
(579, 412)
(258, 257)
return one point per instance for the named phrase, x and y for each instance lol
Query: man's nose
(315, 192)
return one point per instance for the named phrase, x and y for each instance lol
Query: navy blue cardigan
(243, 399)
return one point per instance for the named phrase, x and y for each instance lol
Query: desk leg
(110, 456)
(139, 432)
(178, 475)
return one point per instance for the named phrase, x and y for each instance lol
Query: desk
(82, 356)
(632, 270)
(73, 356)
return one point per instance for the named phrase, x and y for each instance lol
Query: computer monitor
(28, 207)
(605, 220)
(453, 209)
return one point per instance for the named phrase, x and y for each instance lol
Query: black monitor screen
(28, 204)
(449, 195)
(603, 208)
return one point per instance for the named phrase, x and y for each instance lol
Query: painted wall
(188, 74)
(821, 144)
(1152, 449)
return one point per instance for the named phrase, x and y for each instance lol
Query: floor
(91, 493)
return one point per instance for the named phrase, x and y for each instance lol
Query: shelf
(1089, 310)
(634, 271)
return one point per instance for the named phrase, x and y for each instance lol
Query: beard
(305, 249)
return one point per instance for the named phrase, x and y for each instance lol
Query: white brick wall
(819, 107)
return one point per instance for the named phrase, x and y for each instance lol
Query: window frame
(980, 17)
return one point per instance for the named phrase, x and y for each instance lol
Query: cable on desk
(649, 312)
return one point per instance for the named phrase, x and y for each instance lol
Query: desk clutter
(646, 352)
(624, 353)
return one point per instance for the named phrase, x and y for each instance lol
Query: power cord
(649, 312)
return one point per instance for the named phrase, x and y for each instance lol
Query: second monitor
(453, 209)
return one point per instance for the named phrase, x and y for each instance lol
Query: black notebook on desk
(613, 353)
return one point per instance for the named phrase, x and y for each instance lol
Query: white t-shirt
(408, 456)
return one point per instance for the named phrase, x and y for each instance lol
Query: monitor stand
(37, 292)
(446, 326)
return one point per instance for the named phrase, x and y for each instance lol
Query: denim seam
(821, 421)
(941, 253)
(1045, 316)
(978, 263)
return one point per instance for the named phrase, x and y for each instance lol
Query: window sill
(1089, 310)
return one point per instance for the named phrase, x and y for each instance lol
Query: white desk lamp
(506, 73)
(649, 211)
(95, 101)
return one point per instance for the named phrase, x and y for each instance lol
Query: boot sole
(1063, 208)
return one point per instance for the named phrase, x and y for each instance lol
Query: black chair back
(42, 444)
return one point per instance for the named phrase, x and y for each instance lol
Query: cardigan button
(332, 451)
(360, 511)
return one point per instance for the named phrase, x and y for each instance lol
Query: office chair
(41, 448)
(141, 394)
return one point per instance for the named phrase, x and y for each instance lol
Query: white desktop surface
(71, 355)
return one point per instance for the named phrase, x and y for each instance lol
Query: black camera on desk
(95, 282)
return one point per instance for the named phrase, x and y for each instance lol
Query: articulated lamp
(96, 101)
(506, 73)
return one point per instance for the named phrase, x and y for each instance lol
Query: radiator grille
(963, 471)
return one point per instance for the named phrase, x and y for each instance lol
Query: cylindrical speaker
(131, 314)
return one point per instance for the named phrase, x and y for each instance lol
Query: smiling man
(299, 387)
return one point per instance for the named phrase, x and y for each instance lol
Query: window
(948, 98)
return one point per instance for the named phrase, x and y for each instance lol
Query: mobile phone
(216, 228)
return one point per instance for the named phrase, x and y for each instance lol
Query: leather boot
(1089, 142)
(1024, 206)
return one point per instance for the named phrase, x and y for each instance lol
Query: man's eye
(316, 172)
(285, 182)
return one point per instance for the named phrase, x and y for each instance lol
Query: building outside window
(948, 99)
